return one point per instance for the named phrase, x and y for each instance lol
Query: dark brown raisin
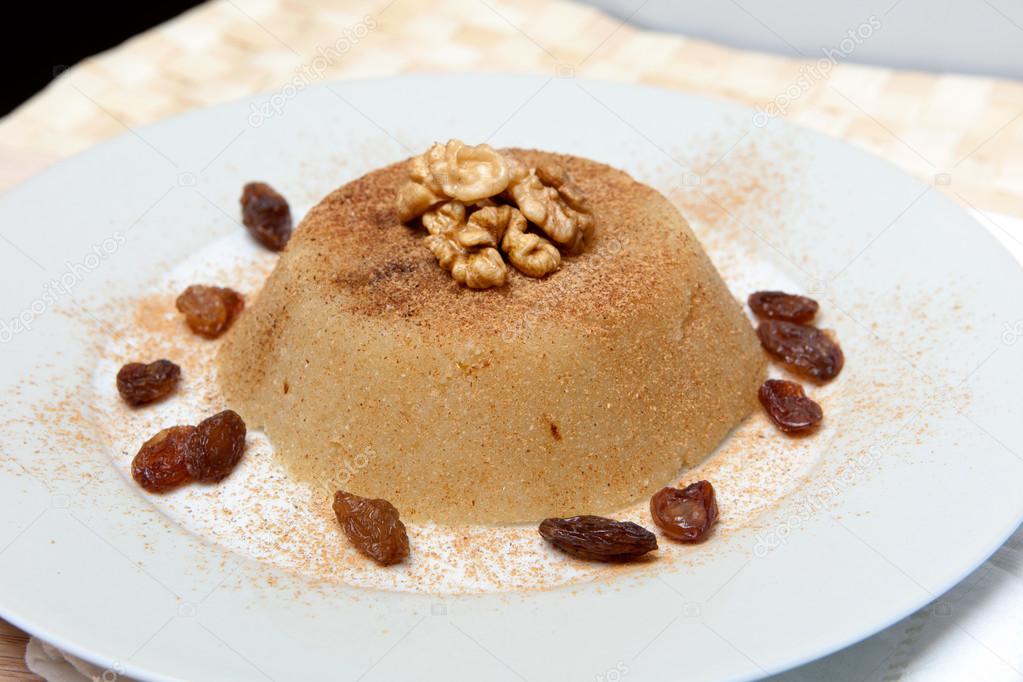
(209, 311)
(266, 215)
(688, 514)
(160, 465)
(372, 526)
(596, 538)
(216, 447)
(777, 305)
(139, 383)
(788, 407)
(806, 349)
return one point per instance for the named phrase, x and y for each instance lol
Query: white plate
(912, 483)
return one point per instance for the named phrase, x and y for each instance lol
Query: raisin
(266, 215)
(597, 538)
(372, 526)
(216, 446)
(160, 465)
(777, 305)
(788, 407)
(139, 383)
(806, 349)
(688, 514)
(209, 311)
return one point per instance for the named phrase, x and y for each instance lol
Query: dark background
(47, 38)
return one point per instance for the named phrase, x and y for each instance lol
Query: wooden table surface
(968, 130)
(12, 654)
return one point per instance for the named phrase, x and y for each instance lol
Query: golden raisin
(777, 305)
(266, 215)
(140, 383)
(788, 407)
(804, 348)
(686, 515)
(160, 465)
(215, 447)
(209, 310)
(372, 526)
(597, 538)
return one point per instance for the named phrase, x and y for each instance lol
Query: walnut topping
(462, 193)
(415, 199)
(530, 253)
(551, 201)
(465, 249)
(452, 171)
(446, 219)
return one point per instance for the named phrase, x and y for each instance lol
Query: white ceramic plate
(911, 484)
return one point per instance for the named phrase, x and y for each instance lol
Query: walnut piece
(468, 251)
(530, 253)
(454, 170)
(414, 199)
(551, 201)
(446, 219)
(453, 188)
(468, 173)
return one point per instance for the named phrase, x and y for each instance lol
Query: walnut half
(451, 171)
(530, 253)
(552, 202)
(465, 249)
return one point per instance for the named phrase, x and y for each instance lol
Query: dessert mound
(372, 370)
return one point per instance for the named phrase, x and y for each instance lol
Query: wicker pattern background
(964, 131)
(964, 134)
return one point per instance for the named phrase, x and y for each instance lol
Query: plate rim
(26, 623)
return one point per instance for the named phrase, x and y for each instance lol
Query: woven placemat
(962, 133)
